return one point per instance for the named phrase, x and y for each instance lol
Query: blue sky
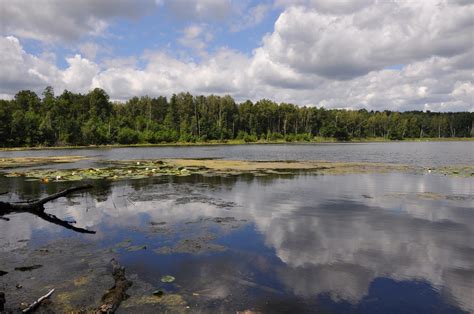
(161, 28)
(399, 55)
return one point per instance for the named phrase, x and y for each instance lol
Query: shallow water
(371, 243)
(412, 153)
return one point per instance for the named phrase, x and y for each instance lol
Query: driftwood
(35, 304)
(2, 302)
(114, 296)
(36, 207)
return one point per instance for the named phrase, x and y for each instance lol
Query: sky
(373, 54)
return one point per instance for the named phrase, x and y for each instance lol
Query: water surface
(412, 153)
(372, 243)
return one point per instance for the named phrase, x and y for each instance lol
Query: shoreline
(317, 140)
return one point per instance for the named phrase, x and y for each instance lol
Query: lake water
(413, 153)
(369, 243)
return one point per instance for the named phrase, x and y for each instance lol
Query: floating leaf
(167, 279)
(135, 248)
(73, 178)
(139, 177)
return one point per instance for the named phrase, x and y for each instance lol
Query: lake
(352, 243)
(413, 153)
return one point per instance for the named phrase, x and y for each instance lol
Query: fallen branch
(38, 302)
(61, 194)
(115, 295)
(55, 220)
(36, 208)
(38, 204)
(2, 301)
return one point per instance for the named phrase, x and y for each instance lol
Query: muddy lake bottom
(351, 243)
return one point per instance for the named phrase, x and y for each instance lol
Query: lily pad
(167, 279)
(74, 178)
(135, 248)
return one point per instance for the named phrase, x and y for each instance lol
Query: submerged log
(114, 296)
(36, 207)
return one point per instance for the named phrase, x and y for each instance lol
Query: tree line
(92, 119)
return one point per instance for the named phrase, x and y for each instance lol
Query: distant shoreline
(316, 140)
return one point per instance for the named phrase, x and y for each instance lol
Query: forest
(29, 120)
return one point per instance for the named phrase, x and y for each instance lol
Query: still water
(371, 243)
(412, 153)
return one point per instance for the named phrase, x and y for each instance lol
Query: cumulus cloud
(57, 20)
(163, 75)
(20, 70)
(346, 46)
(79, 74)
(329, 6)
(91, 49)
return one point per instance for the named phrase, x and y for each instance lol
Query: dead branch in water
(115, 295)
(38, 302)
(2, 301)
(36, 208)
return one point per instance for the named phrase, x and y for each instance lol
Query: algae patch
(171, 301)
(454, 170)
(122, 170)
(432, 196)
(17, 162)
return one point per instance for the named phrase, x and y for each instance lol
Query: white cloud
(79, 74)
(58, 20)
(464, 91)
(20, 70)
(346, 46)
(89, 50)
(252, 17)
(196, 37)
(164, 75)
(329, 6)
